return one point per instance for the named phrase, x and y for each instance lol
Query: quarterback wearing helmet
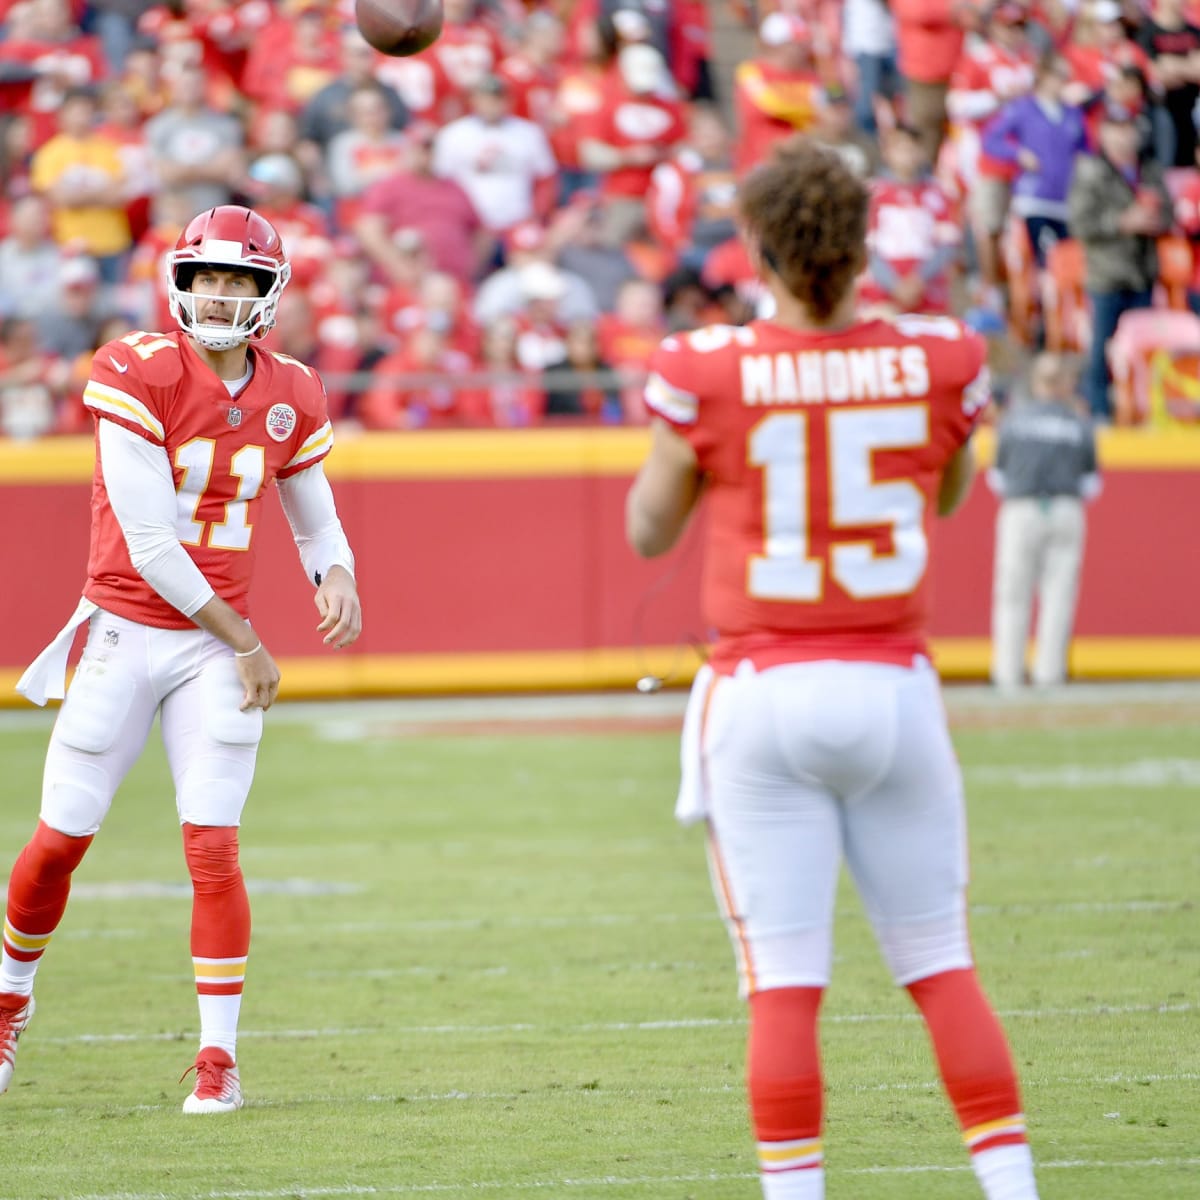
(192, 427)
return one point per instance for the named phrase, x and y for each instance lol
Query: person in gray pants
(1045, 472)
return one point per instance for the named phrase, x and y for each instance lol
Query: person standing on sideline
(1044, 474)
(826, 445)
(1117, 207)
(192, 427)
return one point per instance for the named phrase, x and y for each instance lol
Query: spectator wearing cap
(439, 210)
(1040, 136)
(327, 113)
(640, 125)
(1045, 472)
(71, 326)
(996, 66)
(504, 163)
(913, 237)
(692, 199)
(276, 185)
(541, 334)
(369, 149)
(929, 41)
(501, 293)
(869, 40)
(1098, 45)
(81, 173)
(1172, 44)
(29, 260)
(778, 92)
(1117, 207)
(195, 147)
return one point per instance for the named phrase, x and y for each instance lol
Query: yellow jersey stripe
(110, 400)
(320, 440)
(232, 969)
(781, 1152)
(1013, 1124)
(26, 941)
(671, 401)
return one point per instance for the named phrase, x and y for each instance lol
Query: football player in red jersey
(825, 446)
(191, 429)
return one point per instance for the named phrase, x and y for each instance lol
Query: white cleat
(15, 1012)
(218, 1088)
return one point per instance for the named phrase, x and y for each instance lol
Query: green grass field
(487, 962)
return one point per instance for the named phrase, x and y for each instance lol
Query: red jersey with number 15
(823, 453)
(224, 453)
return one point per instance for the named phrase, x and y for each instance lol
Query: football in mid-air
(399, 27)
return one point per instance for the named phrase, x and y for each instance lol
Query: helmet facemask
(253, 317)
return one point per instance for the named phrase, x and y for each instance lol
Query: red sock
(38, 889)
(220, 909)
(784, 1077)
(973, 1058)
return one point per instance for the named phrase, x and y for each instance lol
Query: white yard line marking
(301, 1192)
(588, 1094)
(1116, 1010)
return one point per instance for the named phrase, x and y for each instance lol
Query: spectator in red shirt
(629, 336)
(778, 93)
(439, 209)
(692, 195)
(639, 126)
(295, 58)
(431, 400)
(532, 71)
(913, 238)
(578, 101)
(467, 48)
(514, 397)
(277, 186)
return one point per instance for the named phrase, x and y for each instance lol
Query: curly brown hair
(806, 212)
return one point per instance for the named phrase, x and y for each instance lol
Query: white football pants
(811, 762)
(1039, 545)
(127, 673)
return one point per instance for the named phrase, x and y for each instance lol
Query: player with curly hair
(816, 733)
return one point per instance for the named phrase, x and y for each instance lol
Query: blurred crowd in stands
(497, 232)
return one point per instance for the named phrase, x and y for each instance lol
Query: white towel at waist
(46, 676)
(692, 804)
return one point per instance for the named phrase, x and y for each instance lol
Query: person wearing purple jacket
(1042, 136)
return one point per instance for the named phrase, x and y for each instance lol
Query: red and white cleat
(218, 1088)
(15, 1012)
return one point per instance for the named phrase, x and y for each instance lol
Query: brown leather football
(399, 27)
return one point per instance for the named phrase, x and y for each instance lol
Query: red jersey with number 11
(823, 453)
(224, 453)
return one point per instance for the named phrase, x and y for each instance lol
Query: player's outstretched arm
(663, 494)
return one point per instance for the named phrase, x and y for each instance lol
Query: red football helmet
(233, 238)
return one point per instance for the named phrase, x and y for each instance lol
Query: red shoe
(15, 1012)
(218, 1088)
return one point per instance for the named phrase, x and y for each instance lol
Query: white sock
(16, 975)
(808, 1184)
(1006, 1173)
(219, 1022)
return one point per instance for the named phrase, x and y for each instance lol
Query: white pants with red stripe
(127, 674)
(807, 764)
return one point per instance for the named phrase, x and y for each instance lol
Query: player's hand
(260, 678)
(341, 613)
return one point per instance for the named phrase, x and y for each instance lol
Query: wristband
(247, 653)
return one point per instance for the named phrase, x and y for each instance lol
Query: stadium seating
(1065, 308)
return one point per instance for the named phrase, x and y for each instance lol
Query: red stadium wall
(497, 561)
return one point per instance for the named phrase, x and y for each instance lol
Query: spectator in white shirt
(503, 163)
